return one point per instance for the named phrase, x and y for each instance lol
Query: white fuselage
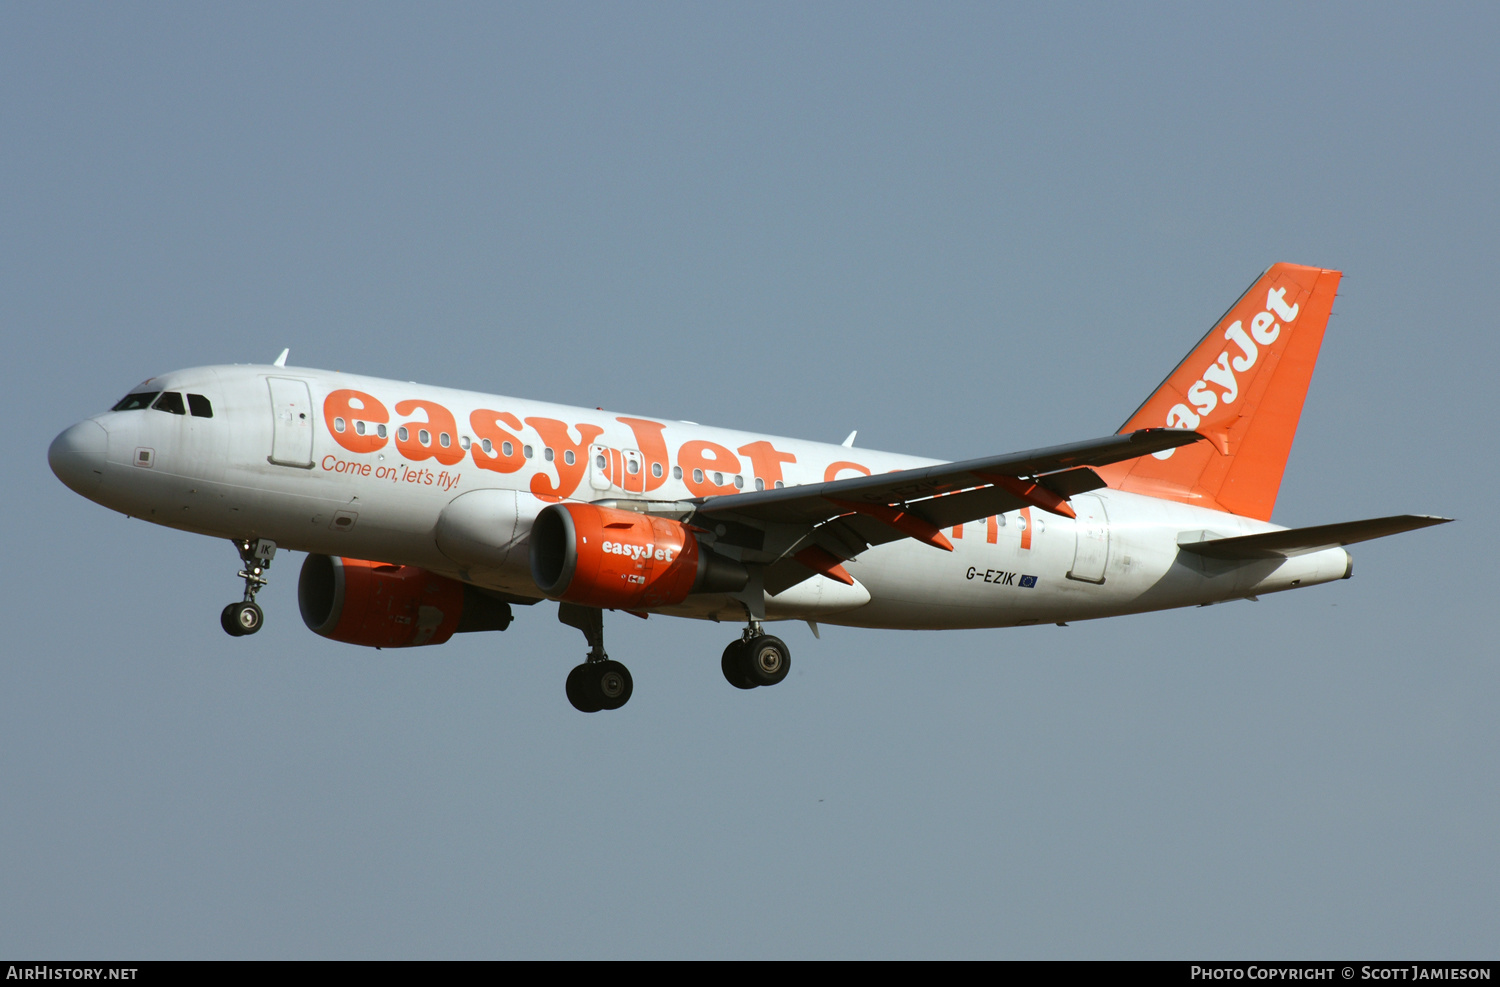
(271, 463)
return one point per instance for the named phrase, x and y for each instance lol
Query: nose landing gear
(246, 617)
(598, 683)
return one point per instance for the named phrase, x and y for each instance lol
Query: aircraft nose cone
(77, 456)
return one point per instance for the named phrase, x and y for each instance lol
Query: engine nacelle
(601, 557)
(390, 606)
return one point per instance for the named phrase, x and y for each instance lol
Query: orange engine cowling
(390, 606)
(602, 557)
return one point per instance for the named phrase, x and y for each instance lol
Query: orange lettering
(653, 449)
(555, 436)
(486, 425)
(709, 458)
(440, 428)
(766, 460)
(341, 409)
(833, 470)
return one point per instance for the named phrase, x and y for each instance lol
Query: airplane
(427, 512)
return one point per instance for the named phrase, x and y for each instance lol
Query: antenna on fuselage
(280, 361)
(849, 442)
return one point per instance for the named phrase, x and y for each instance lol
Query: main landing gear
(756, 659)
(246, 617)
(598, 683)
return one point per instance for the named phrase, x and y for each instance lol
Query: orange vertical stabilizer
(1242, 386)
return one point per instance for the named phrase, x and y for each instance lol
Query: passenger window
(380, 430)
(359, 428)
(137, 401)
(443, 440)
(526, 451)
(568, 457)
(338, 424)
(632, 466)
(656, 470)
(697, 476)
(676, 472)
(739, 482)
(547, 453)
(402, 433)
(505, 447)
(760, 484)
(199, 406)
(170, 401)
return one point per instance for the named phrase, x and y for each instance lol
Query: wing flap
(971, 505)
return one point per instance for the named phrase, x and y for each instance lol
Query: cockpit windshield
(136, 401)
(170, 401)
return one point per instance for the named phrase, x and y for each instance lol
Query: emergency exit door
(1091, 553)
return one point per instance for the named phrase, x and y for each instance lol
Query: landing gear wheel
(229, 621)
(597, 685)
(613, 684)
(767, 660)
(581, 691)
(239, 619)
(733, 666)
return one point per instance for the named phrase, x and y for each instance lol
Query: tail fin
(1242, 386)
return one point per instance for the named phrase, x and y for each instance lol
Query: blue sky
(961, 229)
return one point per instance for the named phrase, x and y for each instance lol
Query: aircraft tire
(767, 660)
(239, 619)
(733, 666)
(229, 620)
(250, 617)
(613, 684)
(581, 691)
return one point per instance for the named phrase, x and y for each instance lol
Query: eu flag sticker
(1028, 582)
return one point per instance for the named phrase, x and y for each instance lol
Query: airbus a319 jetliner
(429, 511)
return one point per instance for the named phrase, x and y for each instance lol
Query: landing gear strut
(755, 659)
(246, 617)
(598, 683)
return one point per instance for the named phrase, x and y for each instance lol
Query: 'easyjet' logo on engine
(637, 552)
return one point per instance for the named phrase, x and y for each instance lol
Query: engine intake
(602, 557)
(391, 606)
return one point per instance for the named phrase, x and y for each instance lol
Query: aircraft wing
(821, 525)
(814, 502)
(1300, 541)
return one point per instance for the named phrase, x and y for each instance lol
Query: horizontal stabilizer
(1300, 541)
